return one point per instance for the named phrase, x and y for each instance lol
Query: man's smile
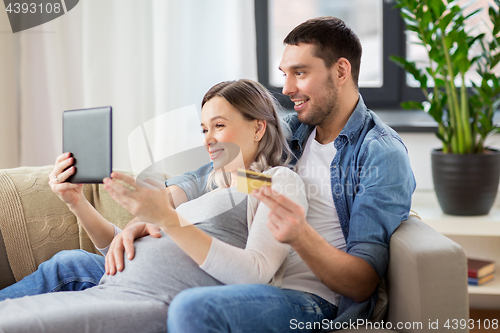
(300, 104)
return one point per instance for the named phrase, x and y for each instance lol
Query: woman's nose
(209, 139)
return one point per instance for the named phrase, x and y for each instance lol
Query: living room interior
(148, 58)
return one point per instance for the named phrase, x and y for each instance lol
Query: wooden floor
(482, 317)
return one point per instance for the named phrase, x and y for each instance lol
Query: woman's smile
(215, 153)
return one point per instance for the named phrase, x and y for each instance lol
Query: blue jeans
(66, 271)
(248, 308)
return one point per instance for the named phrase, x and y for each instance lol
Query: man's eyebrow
(295, 67)
(215, 118)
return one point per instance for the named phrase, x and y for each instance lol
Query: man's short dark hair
(333, 40)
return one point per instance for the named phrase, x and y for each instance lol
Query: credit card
(251, 180)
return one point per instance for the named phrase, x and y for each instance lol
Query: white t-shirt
(314, 169)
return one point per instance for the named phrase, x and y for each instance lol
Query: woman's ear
(260, 129)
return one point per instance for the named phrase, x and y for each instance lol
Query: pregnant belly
(159, 268)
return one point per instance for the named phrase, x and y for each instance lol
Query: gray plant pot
(466, 184)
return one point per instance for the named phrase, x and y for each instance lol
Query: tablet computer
(87, 134)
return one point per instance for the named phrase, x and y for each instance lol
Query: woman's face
(229, 138)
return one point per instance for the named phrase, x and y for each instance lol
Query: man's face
(309, 84)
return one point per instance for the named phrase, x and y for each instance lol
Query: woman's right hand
(69, 193)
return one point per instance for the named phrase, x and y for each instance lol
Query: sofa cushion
(36, 224)
(6, 276)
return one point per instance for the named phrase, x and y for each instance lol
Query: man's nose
(289, 87)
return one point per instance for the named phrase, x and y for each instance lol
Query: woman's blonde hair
(254, 102)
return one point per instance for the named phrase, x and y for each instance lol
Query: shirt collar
(356, 121)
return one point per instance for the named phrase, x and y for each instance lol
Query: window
(284, 15)
(377, 24)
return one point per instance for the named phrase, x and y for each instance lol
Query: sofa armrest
(35, 224)
(426, 278)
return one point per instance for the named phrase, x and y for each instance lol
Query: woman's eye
(203, 131)
(219, 125)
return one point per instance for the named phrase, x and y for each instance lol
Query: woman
(225, 238)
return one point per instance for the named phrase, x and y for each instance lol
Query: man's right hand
(124, 242)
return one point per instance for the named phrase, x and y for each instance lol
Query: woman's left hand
(149, 202)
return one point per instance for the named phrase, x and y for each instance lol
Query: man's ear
(342, 70)
(260, 129)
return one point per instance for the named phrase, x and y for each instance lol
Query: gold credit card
(251, 180)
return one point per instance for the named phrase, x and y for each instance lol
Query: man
(359, 184)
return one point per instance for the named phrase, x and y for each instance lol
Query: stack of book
(480, 271)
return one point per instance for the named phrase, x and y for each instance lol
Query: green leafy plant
(464, 114)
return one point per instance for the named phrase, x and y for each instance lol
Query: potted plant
(465, 172)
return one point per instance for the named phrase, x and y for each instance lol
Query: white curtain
(144, 58)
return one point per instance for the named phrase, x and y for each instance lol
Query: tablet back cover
(87, 134)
